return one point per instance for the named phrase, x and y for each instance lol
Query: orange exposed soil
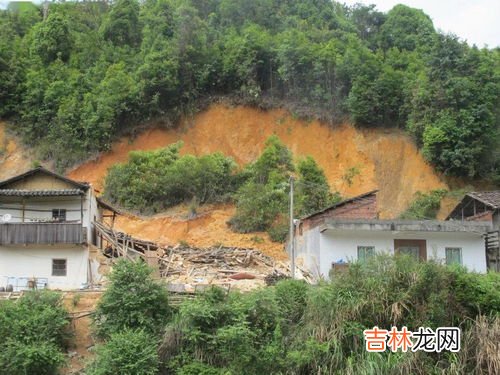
(13, 158)
(207, 229)
(386, 160)
(80, 304)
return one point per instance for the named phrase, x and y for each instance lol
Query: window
(58, 267)
(59, 214)
(365, 253)
(453, 255)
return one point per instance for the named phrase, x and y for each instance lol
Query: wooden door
(411, 246)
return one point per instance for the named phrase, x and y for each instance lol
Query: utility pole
(292, 232)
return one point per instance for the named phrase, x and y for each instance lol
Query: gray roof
(408, 225)
(489, 198)
(39, 193)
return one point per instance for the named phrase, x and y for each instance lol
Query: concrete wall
(341, 245)
(307, 251)
(24, 262)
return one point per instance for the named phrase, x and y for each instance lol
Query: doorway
(415, 248)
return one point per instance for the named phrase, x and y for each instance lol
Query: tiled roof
(489, 198)
(39, 193)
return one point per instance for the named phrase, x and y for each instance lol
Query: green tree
(406, 28)
(313, 191)
(121, 25)
(424, 206)
(52, 39)
(127, 352)
(133, 301)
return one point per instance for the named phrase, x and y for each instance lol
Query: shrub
(294, 328)
(154, 180)
(424, 206)
(262, 202)
(126, 353)
(257, 206)
(37, 358)
(34, 332)
(133, 300)
(313, 191)
(480, 294)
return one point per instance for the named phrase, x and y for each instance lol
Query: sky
(476, 21)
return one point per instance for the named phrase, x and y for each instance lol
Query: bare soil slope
(14, 158)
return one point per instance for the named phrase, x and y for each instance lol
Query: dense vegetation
(424, 206)
(154, 180)
(34, 334)
(262, 201)
(295, 328)
(92, 70)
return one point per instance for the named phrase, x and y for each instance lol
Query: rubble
(187, 269)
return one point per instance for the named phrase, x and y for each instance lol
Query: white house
(349, 231)
(45, 231)
(482, 206)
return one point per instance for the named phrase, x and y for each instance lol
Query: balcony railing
(41, 233)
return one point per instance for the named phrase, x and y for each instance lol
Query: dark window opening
(59, 214)
(365, 253)
(59, 267)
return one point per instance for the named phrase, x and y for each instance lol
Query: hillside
(90, 72)
(14, 158)
(386, 160)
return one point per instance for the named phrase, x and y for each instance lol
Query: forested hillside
(90, 71)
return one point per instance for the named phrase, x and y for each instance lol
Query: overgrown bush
(262, 202)
(34, 333)
(127, 352)
(133, 300)
(295, 328)
(424, 206)
(154, 180)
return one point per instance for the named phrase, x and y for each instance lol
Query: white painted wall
(337, 245)
(29, 261)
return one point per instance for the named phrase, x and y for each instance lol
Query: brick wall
(363, 208)
(483, 216)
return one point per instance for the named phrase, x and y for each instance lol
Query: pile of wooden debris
(238, 267)
(188, 268)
